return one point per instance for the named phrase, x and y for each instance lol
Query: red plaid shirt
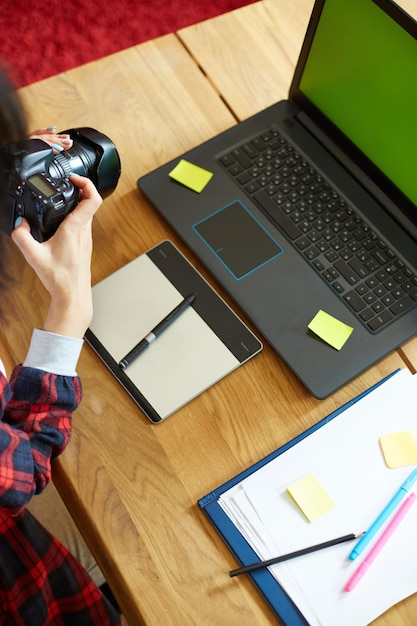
(41, 583)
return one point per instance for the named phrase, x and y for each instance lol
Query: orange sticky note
(190, 175)
(310, 496)
(399, 449)
(331, 330)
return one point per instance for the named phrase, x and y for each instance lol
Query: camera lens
(92, 155)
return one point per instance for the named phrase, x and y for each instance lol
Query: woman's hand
(58, 142)
(63, 263)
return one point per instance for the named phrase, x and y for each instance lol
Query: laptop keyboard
(341, 247)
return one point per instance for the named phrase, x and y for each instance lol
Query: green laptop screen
(362, 74)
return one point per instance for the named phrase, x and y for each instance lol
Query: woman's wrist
(69, 318)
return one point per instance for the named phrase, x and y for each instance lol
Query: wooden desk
(132, 487)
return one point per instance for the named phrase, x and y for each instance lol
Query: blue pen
(383, 516)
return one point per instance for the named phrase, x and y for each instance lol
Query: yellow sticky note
(331, 330)
(399, 449)
(310, 497)
(190, 175)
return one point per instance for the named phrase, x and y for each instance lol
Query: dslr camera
(37, 180)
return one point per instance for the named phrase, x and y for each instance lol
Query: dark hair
(12, 128)
(12, 116)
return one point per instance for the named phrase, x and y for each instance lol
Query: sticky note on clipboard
(399, 449)
(192, 176)
(310, 496)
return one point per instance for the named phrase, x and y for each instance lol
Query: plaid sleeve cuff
(53, 353)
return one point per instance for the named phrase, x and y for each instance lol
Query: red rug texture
(40, 39)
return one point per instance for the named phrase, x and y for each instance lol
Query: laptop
(311, 208)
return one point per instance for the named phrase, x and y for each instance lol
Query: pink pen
(371, 556)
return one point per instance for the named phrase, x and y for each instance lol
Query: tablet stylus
(155, 332)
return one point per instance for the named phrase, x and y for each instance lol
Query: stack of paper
(349, 458)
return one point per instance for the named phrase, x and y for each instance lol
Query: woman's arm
(36, 407)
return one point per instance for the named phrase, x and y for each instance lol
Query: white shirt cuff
(53, 353)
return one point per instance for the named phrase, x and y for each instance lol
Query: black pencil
(292, 555)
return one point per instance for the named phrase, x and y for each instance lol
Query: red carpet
(40, 39)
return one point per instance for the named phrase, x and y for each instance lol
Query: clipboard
(204, 344)
(274, 594)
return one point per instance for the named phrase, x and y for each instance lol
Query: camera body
(38, 185)
(33, 193)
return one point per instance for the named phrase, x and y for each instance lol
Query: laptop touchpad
(238, 239)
